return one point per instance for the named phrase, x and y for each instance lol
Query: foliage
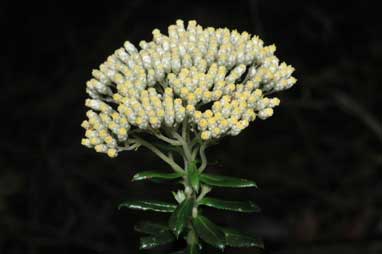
(186, 218)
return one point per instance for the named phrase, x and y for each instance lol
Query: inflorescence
(215, 79)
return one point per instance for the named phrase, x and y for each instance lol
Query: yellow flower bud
(103, 133)
(85, 142)
(205, 135)
(109, 139)
(203, 124)
(216, 131)
(154, 120)
(197, 115)
(139, 121)
(85, 124)
(208, 113)
(112, 125)
(100, 148)
(117, 97)
(190, 108)
(122, 131)
(112, 153)
(258, 93)
(201, 70)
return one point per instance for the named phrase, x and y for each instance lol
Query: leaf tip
(177, 234)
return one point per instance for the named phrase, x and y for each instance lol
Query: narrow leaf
(237, 206)
(235, 238)
(226, 181)
(151, 242)
(193, 175)
(156, 206)
(154, 175)
(180, 216)
(209, 232)
(151, 228)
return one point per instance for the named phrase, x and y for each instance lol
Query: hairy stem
(183, 140)
(203, 157)
(161, 155)
(168, 140)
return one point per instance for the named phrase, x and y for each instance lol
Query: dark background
(317, 161)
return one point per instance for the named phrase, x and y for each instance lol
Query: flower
(215, 79)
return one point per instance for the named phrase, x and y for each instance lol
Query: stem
(192, 239)
(161, 155)
(190, 149)
(184, 129)
(168, 140)
(194, 153)
(203, 157)
(183, 140)
(190, 152)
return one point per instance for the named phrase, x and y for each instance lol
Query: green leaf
(237, 206)
(235, 238)
(151, 228)
(226, 181)
(193, 175)
(180, 217)
(209, 232)
(154, 175)
(151, 242)
(156, 206)
(193, 249)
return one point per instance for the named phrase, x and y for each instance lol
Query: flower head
(215, 79)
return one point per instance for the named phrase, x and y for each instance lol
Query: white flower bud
(193, 71)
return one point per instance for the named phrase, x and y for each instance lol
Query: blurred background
(318, 161)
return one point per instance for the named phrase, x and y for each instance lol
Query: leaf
(180, 217)
(151, 242)
(193, 175)
(154, 175)
(156, 206)
(151, 228)
(237, 206)
(209, 232)
(226, 181)
(235, 238)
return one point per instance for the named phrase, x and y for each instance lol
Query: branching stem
(168, 140)
(183, 140)
(161, 155)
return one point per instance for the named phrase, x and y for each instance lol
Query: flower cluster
(215, 79)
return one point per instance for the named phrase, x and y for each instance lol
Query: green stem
(191, 147)
(168, 140)
(191, 239)
(183, 140)
(161, 155)
(203, 157)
